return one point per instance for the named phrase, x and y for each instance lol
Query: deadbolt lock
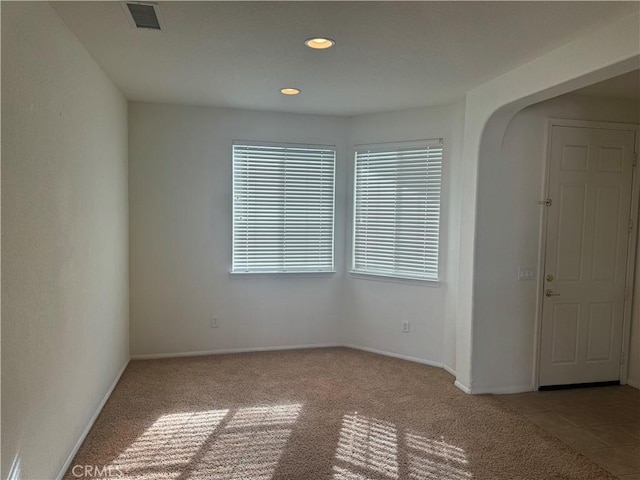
(549, 278)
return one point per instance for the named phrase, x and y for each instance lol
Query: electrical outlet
(214, 322)
(405, 327)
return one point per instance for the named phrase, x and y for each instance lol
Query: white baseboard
(396, 355)
(90, 424)
(493, 390)
(632, 382)
(200, 353)
(502, 390)
(462, 387)
(449, 369)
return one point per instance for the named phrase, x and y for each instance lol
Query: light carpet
(331, 413)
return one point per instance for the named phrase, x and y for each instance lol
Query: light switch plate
(526, 273)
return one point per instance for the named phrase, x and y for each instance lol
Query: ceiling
(625, 86)
(389, 55)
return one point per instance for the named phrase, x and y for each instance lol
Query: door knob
(549, 293)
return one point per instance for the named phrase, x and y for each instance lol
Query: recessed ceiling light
(319, 43)
(290, 91)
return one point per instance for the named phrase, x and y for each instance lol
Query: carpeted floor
(330, 413)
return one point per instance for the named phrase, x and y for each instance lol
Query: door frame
(631, 247)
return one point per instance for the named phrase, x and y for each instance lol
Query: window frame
(274, 272)
(396, 277)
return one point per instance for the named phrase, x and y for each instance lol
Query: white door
(590, 182)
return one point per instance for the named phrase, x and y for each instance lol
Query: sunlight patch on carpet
(216, 444)
(435, 459)
(249, 447)
(369, 447)
(340, 473)
(168, 445)
(369, 443)
(263, 416)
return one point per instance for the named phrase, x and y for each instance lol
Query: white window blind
(283, 208)
(397, 210)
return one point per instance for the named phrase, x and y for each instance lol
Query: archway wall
(486, 352)
(510, 236)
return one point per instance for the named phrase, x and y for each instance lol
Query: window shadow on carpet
(370, 445)
(244, 443)
(247, 444)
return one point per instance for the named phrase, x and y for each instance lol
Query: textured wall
(375, 308)
(609, 51)
(508, 236)
(180, 172)
(64, 239)
(180, 224)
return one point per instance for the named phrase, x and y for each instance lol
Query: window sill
(380, 277)
(276, 274)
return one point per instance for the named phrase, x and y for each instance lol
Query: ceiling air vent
(143, 15)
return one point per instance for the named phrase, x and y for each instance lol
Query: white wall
(180, 247)
(64, 239)
(376, 308)
(634, 352)
(453, 213)
(509, 222)
(599, 54)
(180, 243)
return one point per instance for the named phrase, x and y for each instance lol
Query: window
(283, 206)
(397, 210)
